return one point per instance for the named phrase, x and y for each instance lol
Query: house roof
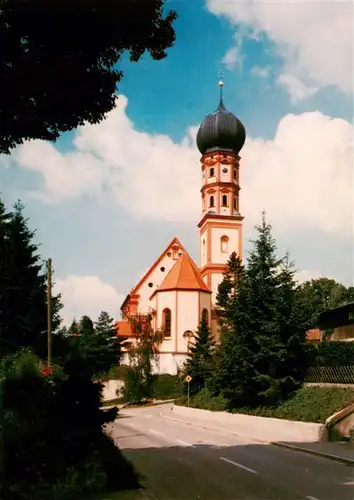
(313, 334)
(174, 243)
(124, 329)
(184, 275)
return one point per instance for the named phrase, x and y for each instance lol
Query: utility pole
(49, 311)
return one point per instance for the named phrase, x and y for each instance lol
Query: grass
(309, 404)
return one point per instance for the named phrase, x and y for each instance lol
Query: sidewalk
(337, 451)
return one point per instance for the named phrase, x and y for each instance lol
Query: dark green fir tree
(275, 319)
(235, 374)
(23, 298)
(199, 364)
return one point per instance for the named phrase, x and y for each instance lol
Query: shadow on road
(246, 471)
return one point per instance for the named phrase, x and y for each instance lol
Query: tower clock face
(224, 170)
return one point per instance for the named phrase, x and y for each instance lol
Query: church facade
(175, 289)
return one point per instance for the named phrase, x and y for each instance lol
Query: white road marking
(184, 443)
(148, 415)
(311, 498)
(238, 465)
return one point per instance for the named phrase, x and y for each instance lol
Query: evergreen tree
(86, 326)
(73, 329)
(23, 299)
(262, 353)
(235, 374)
(292, 321)
(276, 324)
(199, 364)
(99, 343)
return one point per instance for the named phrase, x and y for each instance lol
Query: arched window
(166, 322)
(235, 173)
(224, 240)
(211, 201)
(205, 316)
(224, 200)
(188, 334)
(235, 203)
(211, 172)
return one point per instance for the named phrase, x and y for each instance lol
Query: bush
(167, 387)
(204, 400)
(334, 354)
(309, 404)
(53, 443)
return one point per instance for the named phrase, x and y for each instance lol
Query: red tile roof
(183, 276)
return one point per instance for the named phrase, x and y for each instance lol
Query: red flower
(47, 371)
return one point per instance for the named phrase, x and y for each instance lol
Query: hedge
(333, 354)
(309, 404)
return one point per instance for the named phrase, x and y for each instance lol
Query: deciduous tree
(60, 61)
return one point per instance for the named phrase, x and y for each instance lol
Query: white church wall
(167, 300)
(170, 363)
(217, 256)
(216, 279)
(204, 248)
(166, 363)
(188, 316)
(156, 278)
(205, 303)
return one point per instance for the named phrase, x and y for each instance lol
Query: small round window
(162, 269)
(150, 284)
(224, 170)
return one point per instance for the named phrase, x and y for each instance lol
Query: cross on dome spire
(221, 82)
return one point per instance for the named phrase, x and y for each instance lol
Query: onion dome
(221, 130)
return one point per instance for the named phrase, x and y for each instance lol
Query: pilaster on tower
(220, 138)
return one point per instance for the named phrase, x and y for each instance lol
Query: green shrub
(333, 354)
(167, 386)
(309, 404)
(204, 400)
(53, 444)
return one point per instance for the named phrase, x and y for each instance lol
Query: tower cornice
(220, 218)
(221, 184)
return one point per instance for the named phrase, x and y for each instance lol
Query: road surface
(184, 462)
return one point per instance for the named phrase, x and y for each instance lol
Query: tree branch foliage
(59, 60)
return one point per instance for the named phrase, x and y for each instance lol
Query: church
(175, 288)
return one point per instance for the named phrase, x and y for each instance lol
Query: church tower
(220, 139)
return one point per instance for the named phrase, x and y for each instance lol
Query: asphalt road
(184, 462)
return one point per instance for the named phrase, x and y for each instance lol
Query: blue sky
(106, 206)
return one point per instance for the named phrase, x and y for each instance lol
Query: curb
(279, 444)
(328, 456)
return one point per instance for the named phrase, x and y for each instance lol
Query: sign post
(188, 379)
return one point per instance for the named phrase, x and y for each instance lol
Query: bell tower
(220, 138)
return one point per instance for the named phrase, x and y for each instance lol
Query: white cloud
(315, 39)
(263, 72)
(303, 177)
(306, 275)
(296, 89)
(234, 57)
(87, 295)
(149, 175)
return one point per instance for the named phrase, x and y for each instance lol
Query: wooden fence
(331, 374)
